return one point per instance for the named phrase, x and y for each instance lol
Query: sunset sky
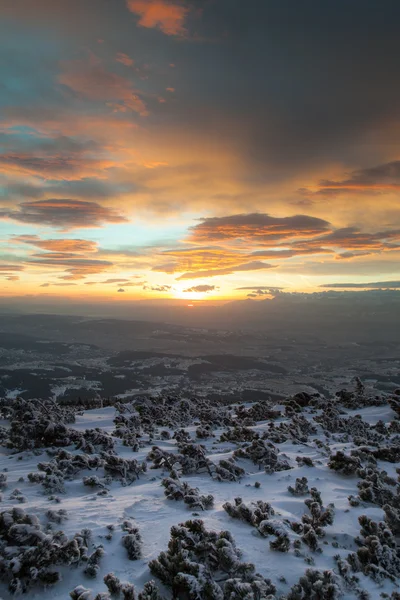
(198, 149)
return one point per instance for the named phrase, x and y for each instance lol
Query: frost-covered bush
(57, 516)
(94, 440)
(377, 487)
(29, 555)
(150, 592)
(177, 490)
(93, 562)
(297, 428)
(132, 540)
(392, 518)
(63, 465)
(359, 398)
(161, 459)
(332, 421)
(253, 513)
(123, 469)
(259, 411)
(36, 423)
(113, 584)
(304, 461)
(238, 434)
(195, 556)
(301, 487)
(316, 585)
(264, 454)
(378, 555)
(182, 437)
(80, 593)
(204, 432)
(312, 525)
(127, 590)
(94, 481)
(228, 470)
(346, 465)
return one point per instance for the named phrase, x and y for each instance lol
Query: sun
(190, 296)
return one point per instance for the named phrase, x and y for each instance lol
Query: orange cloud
(62, 245)
(198, 262)
(10, 268)
(91, 80)
(124, 59)
(54, 167)
(63, 214)
(379, 179)
(257, 227)
(255, 265)
(169, 17)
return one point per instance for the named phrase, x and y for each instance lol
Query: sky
(206, 150)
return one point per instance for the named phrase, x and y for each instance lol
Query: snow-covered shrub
(392, 518)
(129, 430)
(193, 459)
(124, 469)
(161, 459)
(301, 487)
(29, 555)
(177, 490)
(195, 555)
(304, 461)
(132, 540)
(93, 562)
(254, 513)
(359, 398)
(228, 470)
(81, 593)
(238, 434)
(377, 487)
(378, 555)
(36, 423)
(316, 585)
(346, 465)
(116, 588)
(259, 411)
(281, 543)
(204, 432)
(264, 454)
(94, 481)
(312, 525)
(182, 437)
(113, 584)
(94, 440)
(150, 592)
(57, 516)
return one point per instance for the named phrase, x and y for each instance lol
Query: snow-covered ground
(144, 503)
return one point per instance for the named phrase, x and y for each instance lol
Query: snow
(143, 502)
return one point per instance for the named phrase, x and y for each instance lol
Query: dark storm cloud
(282, 83)
(276, 79)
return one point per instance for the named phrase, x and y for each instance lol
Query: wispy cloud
(371, 285)
(89, 79)
(201, 288)
(63, 214)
